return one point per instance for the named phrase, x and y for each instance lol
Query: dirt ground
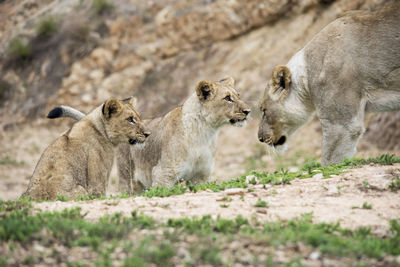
(336, 199)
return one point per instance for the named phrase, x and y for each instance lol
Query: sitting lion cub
(349, 68)
(79, 162)
(183, 143)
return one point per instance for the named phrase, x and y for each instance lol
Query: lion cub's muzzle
(140, 139)
(241, 118)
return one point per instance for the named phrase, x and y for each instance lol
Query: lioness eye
(228, 98)
(131, 120)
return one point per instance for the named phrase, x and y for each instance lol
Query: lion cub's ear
(281, 78)
(205, 90)
(228, 81)
(131, 101)
(111, 107)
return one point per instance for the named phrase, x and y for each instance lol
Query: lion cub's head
(221, 103)
(282, 113)
(122, 122)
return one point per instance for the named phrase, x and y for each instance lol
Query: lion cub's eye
(131, 120)
(228, 98)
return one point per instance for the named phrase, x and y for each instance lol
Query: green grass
(47, 26)
(366, 206)
(18, 224)
(261, 204)
(19, 49)
(394, 185)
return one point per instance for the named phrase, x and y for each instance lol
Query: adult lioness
(79, 162)
(351, 67)
(183, 143)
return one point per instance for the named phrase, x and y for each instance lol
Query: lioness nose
(246, 111)
(146, 134)
(261, 139)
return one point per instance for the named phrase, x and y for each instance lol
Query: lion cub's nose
(246, 111)
(146, 134)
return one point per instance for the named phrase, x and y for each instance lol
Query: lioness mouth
(281, 141)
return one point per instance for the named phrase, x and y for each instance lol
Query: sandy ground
(336, 199)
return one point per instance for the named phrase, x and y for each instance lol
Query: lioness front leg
(339, 140)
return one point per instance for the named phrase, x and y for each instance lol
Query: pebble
(315, 255)
(318, 176)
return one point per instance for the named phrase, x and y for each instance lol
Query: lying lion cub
(79, 162)
(183, 143)
(349, 68)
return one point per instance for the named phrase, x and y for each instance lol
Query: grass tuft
(394, 185)
(17, 48)
(101, 6)
(46, 27)
(261, 204)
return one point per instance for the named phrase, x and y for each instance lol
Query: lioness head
(281, 112)
(221, 102)
(122, 122)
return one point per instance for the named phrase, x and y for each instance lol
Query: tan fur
(79, 162)
(183, 143)
(349, 68)
(280, 76)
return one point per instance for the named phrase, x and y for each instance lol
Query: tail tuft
(56, 112)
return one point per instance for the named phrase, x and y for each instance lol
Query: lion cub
(79, 162)
(184, 142)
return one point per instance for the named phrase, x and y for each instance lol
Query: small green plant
(211, 255)
(394, 185)
(224, 205)
(366, 206)
(46, 27)
(19, 49)
(261, 204)
(365, 185)
(101, 6)
(61, 198)
(226, 198)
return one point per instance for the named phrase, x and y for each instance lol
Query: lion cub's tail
(65, 111)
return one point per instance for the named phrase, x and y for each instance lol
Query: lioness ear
(228, 81)
(281, 78)
(111, 107)
(204, 90)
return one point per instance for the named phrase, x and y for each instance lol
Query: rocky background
(80, 53)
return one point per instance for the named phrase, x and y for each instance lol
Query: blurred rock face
(156, 50)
